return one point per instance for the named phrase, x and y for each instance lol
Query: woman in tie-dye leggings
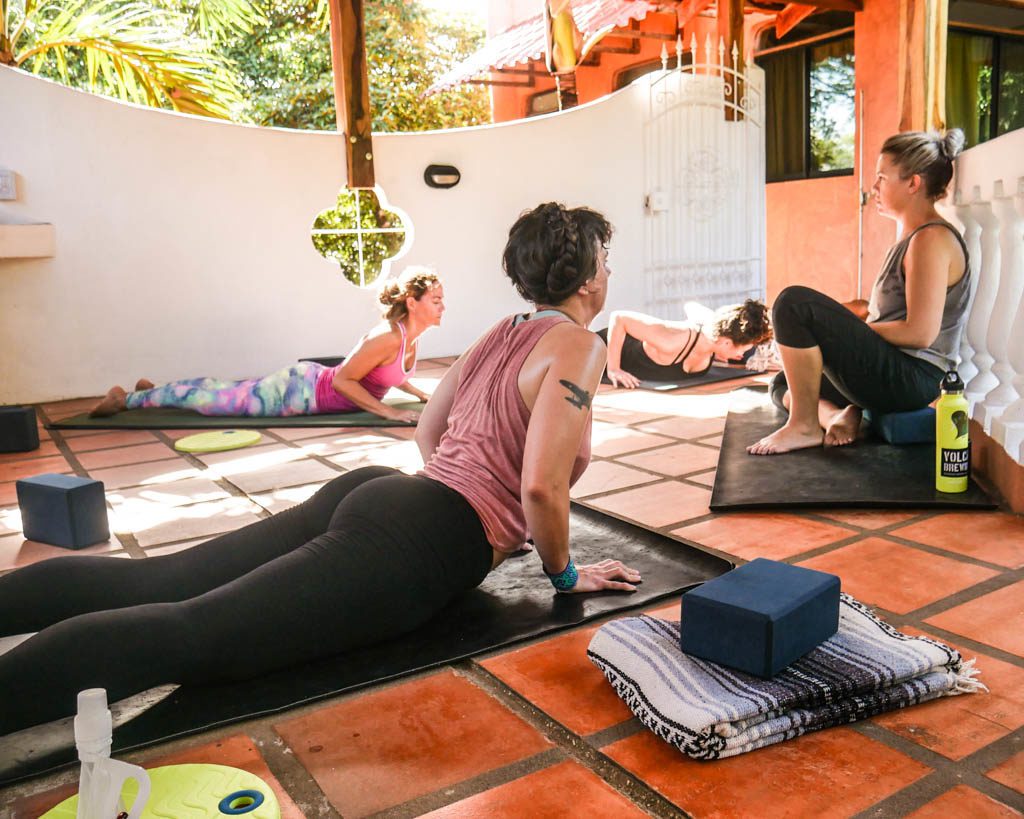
(383, 358)
(291, 391)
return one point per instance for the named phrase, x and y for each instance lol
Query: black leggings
(860, 367)
(373, 554)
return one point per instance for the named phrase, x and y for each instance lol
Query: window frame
(996, 36)
(805, 47)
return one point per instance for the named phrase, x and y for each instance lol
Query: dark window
(984, 83)
(627, 75)
(809, 123)
(543, 103)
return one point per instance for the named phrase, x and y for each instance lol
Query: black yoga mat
(712, 376)
(172, 418)
(867, 474)
(516, 602)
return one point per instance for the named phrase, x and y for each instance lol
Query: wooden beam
(922, 61)
(836, 5)
(352, 90)
(688, 9)
(790, 17)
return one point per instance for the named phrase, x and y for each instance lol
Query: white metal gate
(705, 208)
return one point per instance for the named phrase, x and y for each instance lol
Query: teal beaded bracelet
(566, 579)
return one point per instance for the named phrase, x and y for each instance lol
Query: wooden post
(352, 90)
(922, 77)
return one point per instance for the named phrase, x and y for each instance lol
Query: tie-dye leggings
(291, 391)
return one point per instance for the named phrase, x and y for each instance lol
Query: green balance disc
(218, 441)
(194, 792)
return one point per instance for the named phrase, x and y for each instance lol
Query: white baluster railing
(993, 220)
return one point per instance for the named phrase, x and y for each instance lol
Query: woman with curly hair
(383, 358)
(644, 348)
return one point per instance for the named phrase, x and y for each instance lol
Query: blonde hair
(928, 154)
(413, 281)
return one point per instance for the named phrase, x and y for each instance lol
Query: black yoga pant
(373, 554)
(860, 367)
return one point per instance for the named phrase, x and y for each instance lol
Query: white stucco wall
(183, 245)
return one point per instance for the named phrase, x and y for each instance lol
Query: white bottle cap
(93, 724)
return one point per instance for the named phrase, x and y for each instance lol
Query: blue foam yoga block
(18, 429)
(63, 510)
(916, 427)
(760, 617)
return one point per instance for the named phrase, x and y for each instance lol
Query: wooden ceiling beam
(352, 90)
(835, 5)
(790, 17)
(688, 9)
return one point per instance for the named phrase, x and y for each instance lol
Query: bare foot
(112, 404)
(144, 384)
(843, 428)
(786, 439)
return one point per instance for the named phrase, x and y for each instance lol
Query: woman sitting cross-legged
(383, 358)
(834, 363)
(374, 553)
(644, 348)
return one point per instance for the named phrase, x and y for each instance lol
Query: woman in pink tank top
(509, 425)
(383, 358)
(375, 553)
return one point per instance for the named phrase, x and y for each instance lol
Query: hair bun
(951, 143)
(390, 292)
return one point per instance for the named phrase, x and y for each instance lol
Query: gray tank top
(889, 302)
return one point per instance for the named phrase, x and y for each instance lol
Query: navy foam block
(18, 429)
(760, 617)
(916, 427)
(63, 510)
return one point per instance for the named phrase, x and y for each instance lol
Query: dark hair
(414, 281)
(552, 250)
(745, 323)
(927, 154)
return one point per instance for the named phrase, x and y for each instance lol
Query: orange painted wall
(812, 235)
(877, 48)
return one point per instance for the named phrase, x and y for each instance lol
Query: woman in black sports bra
(644, 348)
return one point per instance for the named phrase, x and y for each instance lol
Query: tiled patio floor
(535, 731)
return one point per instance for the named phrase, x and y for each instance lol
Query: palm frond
(216, 18)
(135, 52)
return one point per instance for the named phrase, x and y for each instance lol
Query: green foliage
(123, 48)
(262, 61)
(338, 234)
(832, 125)
(285, 67)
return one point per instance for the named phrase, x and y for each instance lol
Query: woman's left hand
(608, 574)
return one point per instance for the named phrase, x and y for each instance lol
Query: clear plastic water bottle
(101, 779)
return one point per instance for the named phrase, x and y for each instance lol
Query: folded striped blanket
(709, 711)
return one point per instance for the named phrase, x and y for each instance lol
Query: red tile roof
(525, 41)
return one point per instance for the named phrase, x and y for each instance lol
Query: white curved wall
(183, 243)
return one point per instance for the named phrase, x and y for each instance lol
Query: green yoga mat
(169, 418)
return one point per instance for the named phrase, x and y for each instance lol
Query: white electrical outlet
(7, 187)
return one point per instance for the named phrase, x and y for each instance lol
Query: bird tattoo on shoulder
(578, 397)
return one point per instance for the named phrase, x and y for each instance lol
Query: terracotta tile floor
(534, 730)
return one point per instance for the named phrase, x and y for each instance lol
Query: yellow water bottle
(952, 443)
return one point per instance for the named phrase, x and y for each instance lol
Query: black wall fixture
(442, 176)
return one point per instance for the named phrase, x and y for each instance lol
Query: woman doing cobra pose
(383, 358)
(374, 553)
